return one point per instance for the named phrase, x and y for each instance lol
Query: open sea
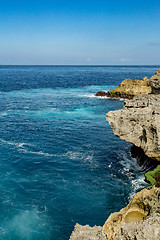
(60, 163)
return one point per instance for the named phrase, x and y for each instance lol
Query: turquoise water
(60, 161)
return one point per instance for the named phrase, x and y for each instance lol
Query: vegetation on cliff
(153, 177)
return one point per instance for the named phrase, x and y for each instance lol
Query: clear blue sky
(80, 32)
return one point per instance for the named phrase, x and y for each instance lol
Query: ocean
(60, 163)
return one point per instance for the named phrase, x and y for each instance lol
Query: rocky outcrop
(144, 230)
(147, 229)
(128, 89)
(139, 220)
(155, 82)
(143, 209)
(88, 233)
(139, 123)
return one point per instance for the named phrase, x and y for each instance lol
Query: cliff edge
(139, 120)
(139, 123)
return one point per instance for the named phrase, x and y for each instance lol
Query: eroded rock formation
(139, 123)
(128, 89)
(143, 209)
(155, 82)
(88, 233)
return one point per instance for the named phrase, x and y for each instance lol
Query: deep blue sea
(60, 163)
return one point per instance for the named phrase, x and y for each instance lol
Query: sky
(84, 32)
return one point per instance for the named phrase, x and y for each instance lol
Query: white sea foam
(137, 184)
(130, 169)
(21, 148)
(36, 153)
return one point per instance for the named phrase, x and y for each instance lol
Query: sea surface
(60, 163)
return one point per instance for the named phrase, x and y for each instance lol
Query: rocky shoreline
(138, 123)
(128, 89)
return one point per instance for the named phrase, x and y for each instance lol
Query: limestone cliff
(139, 123)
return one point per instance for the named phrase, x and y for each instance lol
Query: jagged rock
(155, 82)
(137, 209)
(128, 89)
(132, 87)
(144, 230)
(88, 233)
(149, 228)
(101, 94)
(139, 123)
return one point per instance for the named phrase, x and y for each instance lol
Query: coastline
(141, 210)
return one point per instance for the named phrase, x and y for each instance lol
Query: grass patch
(153, 177)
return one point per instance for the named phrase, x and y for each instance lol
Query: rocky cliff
(139, 220)
(139, 120)
(128, 89)
(139, 123)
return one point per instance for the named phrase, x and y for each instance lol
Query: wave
(131, 170)
(21, 148)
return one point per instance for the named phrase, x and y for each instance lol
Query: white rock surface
(139, 123)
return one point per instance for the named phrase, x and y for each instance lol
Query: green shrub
(153, 177)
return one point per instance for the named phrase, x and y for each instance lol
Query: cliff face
(139, 123)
